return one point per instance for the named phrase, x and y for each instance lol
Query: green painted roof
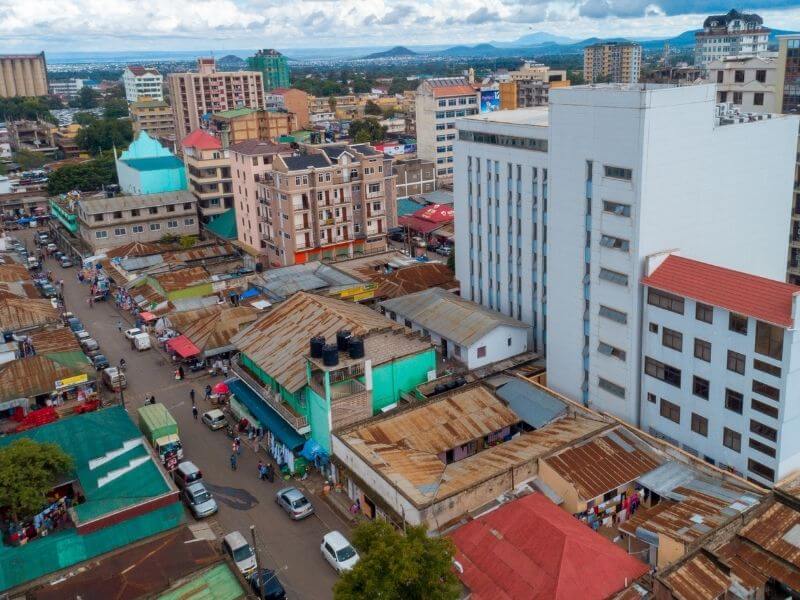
(154, 163)
(217, 583)
(236, 112)
(74, 359)
(224, 225)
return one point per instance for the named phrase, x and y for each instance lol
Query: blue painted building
(146, 167)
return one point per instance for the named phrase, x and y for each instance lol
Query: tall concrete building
(732, 34)
(154, 117)
(23, 75)
(208, 167)
(788, 101)
(747, 82)
(439, 102)
(273, 67)
(612, 62)
(557, 210)
(195, 96)
(141, 82)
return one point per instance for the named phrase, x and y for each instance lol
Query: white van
(141, 341)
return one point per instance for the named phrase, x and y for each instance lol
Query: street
(291, 548)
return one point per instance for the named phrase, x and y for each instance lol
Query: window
(662, 371)
(651, 397)
(153, 210)
(653, 327)
(616, 208)
(170, 208)
(737, 323)
(610, 350)
(137, 228)
(700, 424)
(672, 339)
(614, 315)
(670, 411)
(613, 276)
(117, 214)
(665, 300)
(769, 340)
(610, 387)
(119, 231)
(155, 226)
(734, 401)
(481, 351)
(770, 392)
(618, 172)
(609, 241)
(737, 97)
(135, 212)
(738, 76)
(702, 349)
(760, 470)
(719, 76)
(374, 188)
(764, 431)
(700, 387)
(704, 312)
(187, 206)
(172, 224)
(762, 407)
(761, 76)
(762, 447)
(101, 234)
(758, 99)
(732, 439)
(766, 367)
(189, 221)
(736, 362)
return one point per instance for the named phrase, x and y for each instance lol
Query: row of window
(456, 101)
(136, 212)
(450, 114)
(121, 231)
(511, 141)
(738, 98)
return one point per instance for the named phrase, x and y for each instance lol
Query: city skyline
(218, 25)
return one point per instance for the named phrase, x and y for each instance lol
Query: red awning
(182, 346)
(418, 225)
(147, 316)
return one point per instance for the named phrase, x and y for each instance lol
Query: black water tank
(317, 345)
(259, 267)
(342, 339)
(356, 348)
(439, 388)
(330, 355)
(460, 381)
(8, 336)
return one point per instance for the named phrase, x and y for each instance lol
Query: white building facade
(142, 82)
(732, 34)
(626, 172)
(721, 370)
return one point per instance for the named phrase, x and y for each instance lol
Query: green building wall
(392, 379)
(318, 409)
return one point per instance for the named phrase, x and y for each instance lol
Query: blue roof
(407, 206)
(266, 415)
(531, 404)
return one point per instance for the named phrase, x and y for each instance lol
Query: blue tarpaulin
(266, 415)
(311, 450)
(251, 293)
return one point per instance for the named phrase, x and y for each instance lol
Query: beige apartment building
(208, 170)
(332, 201)
(241, 124)
(414, 176)
(291, 100)
(111, 222)
(152, 116)
(747, 82)
(23, 75)
(209, 91)
(343, 106)
(439, 102)
(250, 161)
(614, 62)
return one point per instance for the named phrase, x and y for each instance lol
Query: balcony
(298, 422)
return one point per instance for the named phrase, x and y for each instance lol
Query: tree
(28, 159)
(395, 566)
(367, 130)
(30, 108)
(114, 108)
(104, 134)
(84, 118)
(187, 241)
(87, 176)
(371, 108)
(87, 98)
(29, 470)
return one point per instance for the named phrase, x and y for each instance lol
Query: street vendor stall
(182, 347)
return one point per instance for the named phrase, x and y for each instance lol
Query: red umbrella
(221, 388)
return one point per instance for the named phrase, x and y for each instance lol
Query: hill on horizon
(396, 52)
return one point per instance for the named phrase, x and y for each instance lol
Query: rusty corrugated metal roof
(9, 273)
(54, 340)
(35, 375)
(601, 465)
(773, 531)
(17, 314)
(415, 279)
(697, 579)
(182, 278)
(211, 329)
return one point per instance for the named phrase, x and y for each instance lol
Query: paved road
(290, 547)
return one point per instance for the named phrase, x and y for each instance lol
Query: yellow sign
(70, 381)
(358, 292)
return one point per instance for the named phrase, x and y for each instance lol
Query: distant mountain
(396, 52)
(231, 62)
(542, 37)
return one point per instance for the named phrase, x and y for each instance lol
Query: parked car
(51, 247)
(100, 362)
(93, 353)
(338, 552)
(444, 250)
(294, 503)
(114, 379)
(187, 473)
(132, 333)
(65, 262)
(82, 335)
(215, 419)
(90, 344)
(199, 500)
(273, 590)
(75, 324)
(48, 291)
(240, 551)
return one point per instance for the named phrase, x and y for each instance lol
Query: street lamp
(119, 381)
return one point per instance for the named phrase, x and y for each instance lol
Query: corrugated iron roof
(600, 465)
(54, 340)
(771, 531)
(534, 405)
(450, 316)
(35, 375)
(416, 278)
(697, 579)
(9, 273)
(182, 278)
(133, 249)
(278, 342)
(17, 314)
(210, 329)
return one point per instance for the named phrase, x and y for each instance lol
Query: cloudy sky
(88, 25)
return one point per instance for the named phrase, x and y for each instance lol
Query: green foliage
(332, 103)
(361, 85)
(168, 238)
(401, 84)
(187, 241)
(30, 108)
(104, 134)
(367, 130)
(394, 566)
(321, 87)
(84, 118)
(575, 76)
(29, 470)
(30, 160)
(371, 108)
(87, 176)
(114, 108)
(451, 261)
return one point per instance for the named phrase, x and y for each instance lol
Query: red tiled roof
(758, 297)
(453, 90)
(201, 140)
(530, 549)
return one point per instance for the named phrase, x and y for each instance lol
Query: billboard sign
(490, 100)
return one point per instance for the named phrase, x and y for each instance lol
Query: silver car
(199, 500)
(294, 503)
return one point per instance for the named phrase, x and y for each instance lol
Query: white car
(132, 333)
(240, 551)
(338, 552)
(215, 419)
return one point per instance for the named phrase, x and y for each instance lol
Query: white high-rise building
(621, 172)
(142, 82)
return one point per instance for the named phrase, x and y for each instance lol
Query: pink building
(250, 160)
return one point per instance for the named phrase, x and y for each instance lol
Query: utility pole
(259, 578)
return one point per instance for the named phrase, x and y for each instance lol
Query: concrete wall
(389, 380)
(572, 502)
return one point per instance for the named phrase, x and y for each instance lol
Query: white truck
(141, 341)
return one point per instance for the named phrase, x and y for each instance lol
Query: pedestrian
(261, 472)
(194, 412)
(119, 326)
(208, 392)
(233, 461)
(191, 395)
(152, 399)
(181, 372)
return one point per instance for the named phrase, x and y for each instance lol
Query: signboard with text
(490, 100)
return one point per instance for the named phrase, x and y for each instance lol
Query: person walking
(238, 443)
(119, 326)
(181, 372)
(261, 472)
(208, 392)
(191, 395)
(194, 412)
(233, 461)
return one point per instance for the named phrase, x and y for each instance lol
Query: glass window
(613, 276)
(732, 439)
(762, 447)
(672, 339)
(670, 411)
(665, 300)
(617, 208)
(736, 362)
(700, 387)
(704, 312)
(765, 408)
(614, 315)
(611, 387)
(770, 392)
(764, 431)
(609, 241)
(760, 470)
(702, 349)
(737, 323)
(618, 172)
(666, 373)
(766, 367)
(610, 350)
(734, 401)
(769, 340)
(700, 424)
